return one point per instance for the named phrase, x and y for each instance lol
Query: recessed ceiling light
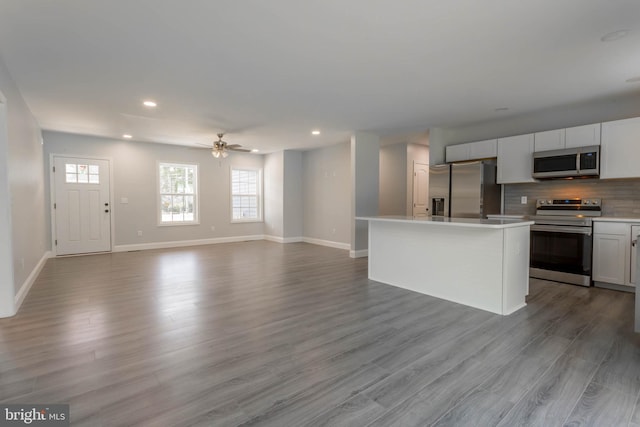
(633, 80)
(615, 35)
(502, 109)
(127, 136)
(255, 150)
(150, 104)
(315, 132)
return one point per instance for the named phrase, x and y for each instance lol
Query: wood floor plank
(261, 333)
(547, 402)
(602, 406)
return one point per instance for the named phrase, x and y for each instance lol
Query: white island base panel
(485, 268)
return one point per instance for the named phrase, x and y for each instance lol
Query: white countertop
(616, 219)
(456, 222)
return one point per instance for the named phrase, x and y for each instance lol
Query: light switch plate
(124, 200)
(523, 200)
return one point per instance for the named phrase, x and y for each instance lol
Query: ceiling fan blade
(232, 146)
(242, 150)
(204, 145)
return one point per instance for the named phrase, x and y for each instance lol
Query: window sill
(246, 221)
(177, 224)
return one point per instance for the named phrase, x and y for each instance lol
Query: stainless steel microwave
(567, 163)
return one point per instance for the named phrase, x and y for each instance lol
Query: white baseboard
(359, 254)
(26, 286)
(279, 239)
(329, 243)
(184, 243)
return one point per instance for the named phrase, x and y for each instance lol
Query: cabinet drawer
(611, 228)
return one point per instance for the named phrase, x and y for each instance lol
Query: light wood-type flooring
(266, 334)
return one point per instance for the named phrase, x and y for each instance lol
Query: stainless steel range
(562, 239)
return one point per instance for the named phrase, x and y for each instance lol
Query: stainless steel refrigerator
(464, 190)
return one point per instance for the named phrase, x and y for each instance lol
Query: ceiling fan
(221, 148)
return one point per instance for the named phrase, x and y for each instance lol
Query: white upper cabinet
(620, 150)
(483, 149)
(472, 151)
(457, 153)
(579, 136)
(549, 140)
(582, 136)
(515, 159)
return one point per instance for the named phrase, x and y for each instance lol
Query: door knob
(106, 204)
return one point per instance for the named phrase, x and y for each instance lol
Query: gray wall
(365, 190)
(273, 195)
(293, 203)
(135, 177)
(620, 197)
(22, 182)
(393, 180)
(326, 182)
(283, 195)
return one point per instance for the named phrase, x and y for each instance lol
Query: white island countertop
(445, 221)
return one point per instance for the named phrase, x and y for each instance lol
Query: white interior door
(420, 189)
(82, 207)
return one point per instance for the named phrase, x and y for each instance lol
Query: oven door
(563, 250)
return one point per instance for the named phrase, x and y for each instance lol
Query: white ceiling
(268, 72)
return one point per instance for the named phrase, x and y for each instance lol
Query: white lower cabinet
(612, 253)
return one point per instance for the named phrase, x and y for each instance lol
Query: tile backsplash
(620, 197)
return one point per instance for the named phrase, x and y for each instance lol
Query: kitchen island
(481, 263)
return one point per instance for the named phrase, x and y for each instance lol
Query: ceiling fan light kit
(221, 148)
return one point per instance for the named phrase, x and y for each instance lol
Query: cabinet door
(515, 159)
(483, 149)
(610, 258)
(457, 153)
(620, 149)
(582, 136)
(549, 140)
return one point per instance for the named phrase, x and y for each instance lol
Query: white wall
(22, 182)
(326, 178)
(135, 178)
(393, 180)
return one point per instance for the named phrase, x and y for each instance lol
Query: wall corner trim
(359, 254)
(30, 280)
(279, 239)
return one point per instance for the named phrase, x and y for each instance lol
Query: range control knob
(594, 202)
(587, 202)
(550, 202)
(543, 202)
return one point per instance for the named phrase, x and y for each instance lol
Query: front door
(82, 208)
(420, 189)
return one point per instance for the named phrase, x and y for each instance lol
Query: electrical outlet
(523, 200)
(139, 233)
(213, 228)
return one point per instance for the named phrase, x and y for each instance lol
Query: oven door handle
(561, 229)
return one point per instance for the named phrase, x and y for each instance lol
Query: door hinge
(54, 169)
(55, 206)
(56, 242)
